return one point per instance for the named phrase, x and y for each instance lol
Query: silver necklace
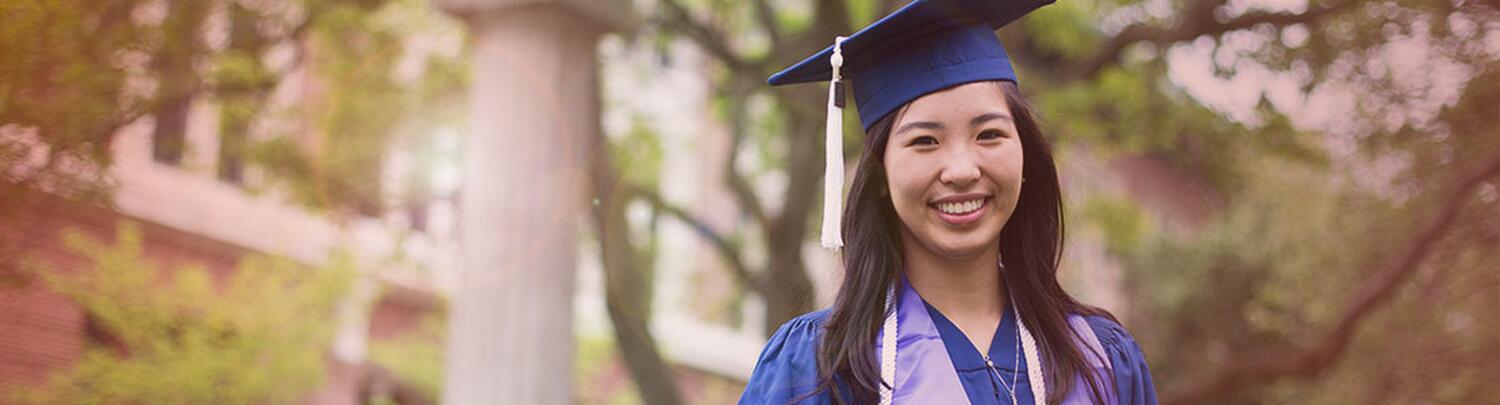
(1015, 368)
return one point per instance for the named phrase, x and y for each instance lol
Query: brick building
(190, 212)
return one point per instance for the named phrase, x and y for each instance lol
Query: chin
(961, 246)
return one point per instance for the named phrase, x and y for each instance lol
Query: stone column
(535, 115)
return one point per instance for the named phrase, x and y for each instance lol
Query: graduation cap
(924, 47)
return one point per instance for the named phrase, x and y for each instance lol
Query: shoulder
(1109, 331)
(796, 337)
(809, 321)
(1117, 342)
(1127, 361)
(787, 370)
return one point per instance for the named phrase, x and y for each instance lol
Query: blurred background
(600, 202)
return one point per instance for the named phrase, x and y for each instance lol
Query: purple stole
(926, 375)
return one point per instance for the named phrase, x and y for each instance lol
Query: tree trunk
(790, 290)
(628, 288)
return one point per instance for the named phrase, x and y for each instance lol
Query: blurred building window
(231, 157)
(169, 138)
(97, 335)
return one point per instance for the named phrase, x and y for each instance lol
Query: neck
(966, 290)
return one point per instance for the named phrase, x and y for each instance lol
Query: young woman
(951, 238)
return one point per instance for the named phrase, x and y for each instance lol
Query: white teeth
(963, 207)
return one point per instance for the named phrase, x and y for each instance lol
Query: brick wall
(41, 332)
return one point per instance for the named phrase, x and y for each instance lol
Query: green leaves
(60, 73)
(1065, 28)
(1123, 223)
(75, 74)
(191, 335)
(637, 154)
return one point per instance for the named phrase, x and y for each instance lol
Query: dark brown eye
(990, 134)
(923, 141)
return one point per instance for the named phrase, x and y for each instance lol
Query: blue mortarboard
(926, 46)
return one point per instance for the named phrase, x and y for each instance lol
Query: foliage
(637, 155)
(190, 335)
(367, 105)
(1121, 221)
(72, 75)
(1277, 272)
(1278, 268)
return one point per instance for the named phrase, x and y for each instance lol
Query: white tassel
(833, 171)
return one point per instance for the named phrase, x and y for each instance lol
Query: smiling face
(953, 167)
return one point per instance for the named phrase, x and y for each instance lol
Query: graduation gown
(787, 369)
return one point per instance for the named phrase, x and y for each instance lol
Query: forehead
(958, 103)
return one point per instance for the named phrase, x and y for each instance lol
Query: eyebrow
(986, 117)
(982, 118)
(919, 125)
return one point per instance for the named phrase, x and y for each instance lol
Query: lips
(961, 209)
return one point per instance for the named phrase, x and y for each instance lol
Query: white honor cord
(1033, 363)
(833, 169)
(888, 348)
(888, 355)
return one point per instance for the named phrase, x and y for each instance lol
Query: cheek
(908, 180)
(1004, 165)
(904, 192)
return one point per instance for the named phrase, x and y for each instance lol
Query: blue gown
(788, 370)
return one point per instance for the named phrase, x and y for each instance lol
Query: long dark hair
(1030, 247)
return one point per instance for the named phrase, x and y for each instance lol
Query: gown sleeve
(787, 370)
(1132, 377)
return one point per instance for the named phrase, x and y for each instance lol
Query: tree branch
(627, 283)
(1264, 367)
(744, 194)
(678, 17)
(1199, 19)
(766, 16)
(726, 249)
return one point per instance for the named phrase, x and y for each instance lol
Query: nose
(960, 171)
